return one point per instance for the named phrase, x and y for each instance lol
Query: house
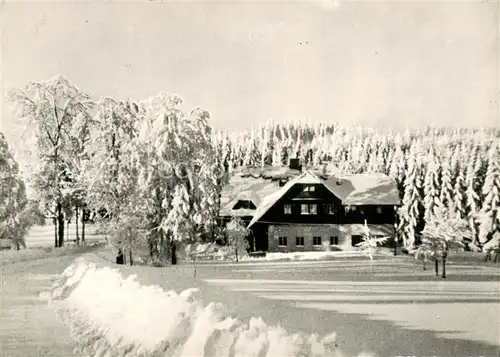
(311, 209)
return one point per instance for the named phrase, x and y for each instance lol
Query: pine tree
(458, 208)
(431, 187)
(397, 168)
(446, 193)
(490, 211)
(471, 196)
(409, 212)
(237, 233)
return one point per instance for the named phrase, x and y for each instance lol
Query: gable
(307, 178)
(244, 204)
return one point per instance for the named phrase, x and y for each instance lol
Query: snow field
(111, 316)
(212, 251)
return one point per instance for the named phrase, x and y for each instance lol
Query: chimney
(295, 164)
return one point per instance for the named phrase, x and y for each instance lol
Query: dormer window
(244, 204)
(309, 189)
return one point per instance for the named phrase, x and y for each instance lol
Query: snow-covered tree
(446, 194)
(431, 186)
(458, 207)
(397, 168)
(17, 213)
(471, 194)
(111, 175)
(370, 245)
(251, 151)
(429, 250)
(180, 172)
(490, 211)
(237, 233)
(409, 213)
(47, 111)
(442, 234)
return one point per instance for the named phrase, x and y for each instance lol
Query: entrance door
(355, 240)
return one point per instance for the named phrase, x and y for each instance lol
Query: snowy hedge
(112, 316)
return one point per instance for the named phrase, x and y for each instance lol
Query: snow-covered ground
(212, 251)
(109, 314)
(302, 256)
(467, 310)
(43, 236)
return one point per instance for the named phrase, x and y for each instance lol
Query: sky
(373, 63)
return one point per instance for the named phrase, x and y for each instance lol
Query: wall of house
(383, 214)
(295, 197)
(308, 232)
(345, 234)
(321, 197)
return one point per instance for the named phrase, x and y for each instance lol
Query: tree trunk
(445, 255)
(56, 242)
(60, 223)
(130, 257)
(173, 253)
(151, 245)
(436, 266)
(487, 257)
(236, 253)
(76, 227)
(396, 246)
(67, 230)
(425, 264)
(83, 227)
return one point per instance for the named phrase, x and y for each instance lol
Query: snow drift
(112, 316)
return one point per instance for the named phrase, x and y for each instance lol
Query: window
(308, 209)
(245, 204)
(334, 240)
(379, 210)
(307, 192)
(282, 241)
(299, 241)
(316, 240)
(330, 209)
(350, 209)
(288, 209)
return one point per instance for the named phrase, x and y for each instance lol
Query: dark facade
(327, 209)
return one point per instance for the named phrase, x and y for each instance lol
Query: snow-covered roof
(250, 184)
(364, 189)
(361, 189)
(245, 188)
